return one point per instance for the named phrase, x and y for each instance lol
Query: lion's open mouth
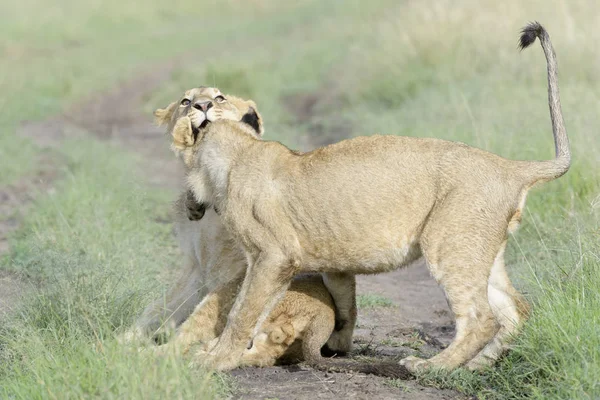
(204, 123)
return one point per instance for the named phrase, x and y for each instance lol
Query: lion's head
(199, 107)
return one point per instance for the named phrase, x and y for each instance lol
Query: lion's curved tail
(551, 169)
(389, 369)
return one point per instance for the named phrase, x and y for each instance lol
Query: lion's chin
(196, 129)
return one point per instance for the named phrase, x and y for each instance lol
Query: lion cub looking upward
(211, 258)
(369, 205)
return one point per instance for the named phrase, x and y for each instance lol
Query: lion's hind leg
(316, 336)
(460, 253)
(342, 288)
(509, 308)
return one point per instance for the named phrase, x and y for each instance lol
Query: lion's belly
(369, 222)
(376, 233)
(363, 259)
(368, 246)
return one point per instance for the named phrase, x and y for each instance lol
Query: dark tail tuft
(529, 33)
(543, 171)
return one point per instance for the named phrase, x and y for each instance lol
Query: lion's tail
(389, 369)
(551, 169)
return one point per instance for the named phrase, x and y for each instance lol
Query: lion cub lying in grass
(369, 205)
(294, 331)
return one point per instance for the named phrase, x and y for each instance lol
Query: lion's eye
(219, 99)
(185, 102)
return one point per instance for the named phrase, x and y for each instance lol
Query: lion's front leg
(166, 313)
(209, 317)
(264, 285)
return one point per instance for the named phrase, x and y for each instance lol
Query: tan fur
(369, 205)
(214, 265)
(295, 330)
(211, 258)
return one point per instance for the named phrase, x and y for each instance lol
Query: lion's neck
(209, 179)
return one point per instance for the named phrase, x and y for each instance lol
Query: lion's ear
(162, 116)
(253, 118)
(183, 135)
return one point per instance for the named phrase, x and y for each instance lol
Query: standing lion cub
(369, 205)
(211, 257)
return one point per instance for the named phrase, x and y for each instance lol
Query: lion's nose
(203, 106)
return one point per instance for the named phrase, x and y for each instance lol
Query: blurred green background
(320, 71)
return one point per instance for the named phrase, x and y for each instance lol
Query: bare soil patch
(306, 384)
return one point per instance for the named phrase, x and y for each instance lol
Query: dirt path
(418, 321)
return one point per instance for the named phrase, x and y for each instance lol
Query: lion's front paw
(415, 364)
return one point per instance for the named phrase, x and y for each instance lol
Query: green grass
(441, 69)
(556, 356)
(372, 301)
(93, 252)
